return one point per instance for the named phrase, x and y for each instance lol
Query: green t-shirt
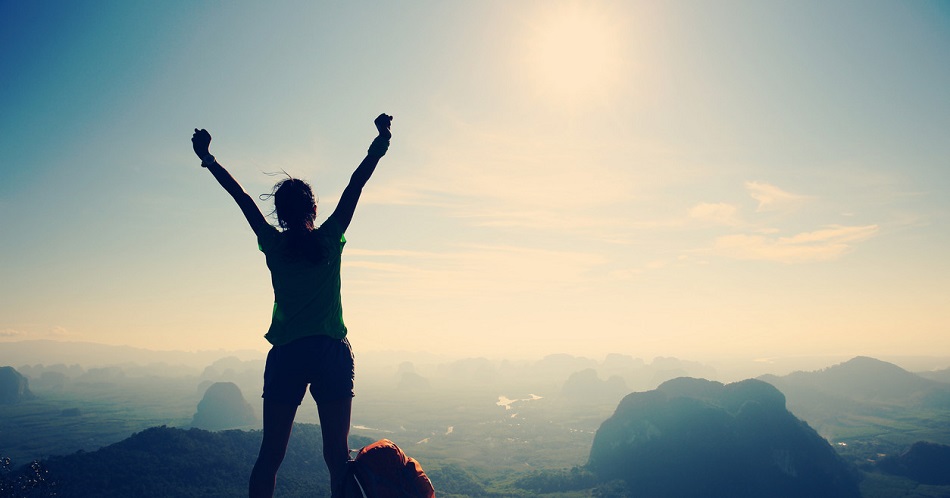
(305, 273)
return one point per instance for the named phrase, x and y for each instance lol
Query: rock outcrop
(14, 387)
(693, 437)
(223, 407)
(586, 387)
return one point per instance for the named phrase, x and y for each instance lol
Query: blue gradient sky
(653, 178)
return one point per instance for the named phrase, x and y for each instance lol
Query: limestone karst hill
(14, 387)
(223, 407)
(697, 438)
(586, 387)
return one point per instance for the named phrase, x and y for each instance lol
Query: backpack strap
(352, 487)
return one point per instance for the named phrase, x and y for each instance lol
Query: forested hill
(170, 462)
(164, 461)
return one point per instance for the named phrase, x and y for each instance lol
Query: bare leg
(335, 425)
(278, 422)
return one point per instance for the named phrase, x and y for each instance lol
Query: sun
(574, 53)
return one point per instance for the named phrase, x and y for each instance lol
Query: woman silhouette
(307, 333)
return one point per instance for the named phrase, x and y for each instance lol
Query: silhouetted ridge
(693, 437)
(164, 461)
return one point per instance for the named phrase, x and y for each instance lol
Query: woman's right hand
(200, 141)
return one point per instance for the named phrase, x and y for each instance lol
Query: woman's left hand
(383, 121)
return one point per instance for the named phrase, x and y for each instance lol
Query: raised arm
(343, 213)
(201, 141)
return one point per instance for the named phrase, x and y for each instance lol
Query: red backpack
(382, 470)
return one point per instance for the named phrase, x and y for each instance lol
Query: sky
(694, 179)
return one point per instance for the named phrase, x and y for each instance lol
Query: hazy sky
(654, 178)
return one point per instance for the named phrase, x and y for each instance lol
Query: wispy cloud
(821, 245)
(771, 197)
(719, 213)
(403, 193)
(36, 331)
(59, 331)
(468, 271)
(8, 333)
(528, 175)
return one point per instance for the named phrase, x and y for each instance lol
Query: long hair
(295, 204)
(296, 209)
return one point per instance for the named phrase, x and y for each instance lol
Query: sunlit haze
(691, 179)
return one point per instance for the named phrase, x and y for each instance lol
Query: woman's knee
(335, 452)
(271, 456)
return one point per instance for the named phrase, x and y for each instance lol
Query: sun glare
(574, 54)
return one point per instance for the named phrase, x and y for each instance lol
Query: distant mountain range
(864, 379)
(88, 354)
(689, 437)
(866, 398)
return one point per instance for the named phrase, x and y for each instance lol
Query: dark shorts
(319, 360)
